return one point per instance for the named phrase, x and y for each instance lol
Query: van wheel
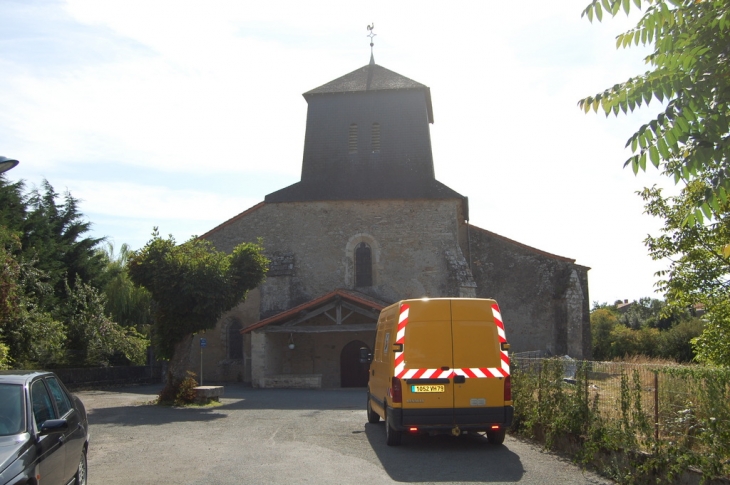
(373, 417)
(496, 437)
(392, 436)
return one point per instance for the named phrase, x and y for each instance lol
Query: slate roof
(371, 77)
(363, 189)
(525, 246)
(232, 220)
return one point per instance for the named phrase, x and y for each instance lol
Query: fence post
(539, 391)
(656, 406)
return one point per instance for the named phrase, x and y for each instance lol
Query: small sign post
(203, 343)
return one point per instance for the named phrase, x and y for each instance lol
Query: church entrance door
(352, 372)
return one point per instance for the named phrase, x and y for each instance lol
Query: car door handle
(445, 367)
(459, 379)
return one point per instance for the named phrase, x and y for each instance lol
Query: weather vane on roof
(371, 35)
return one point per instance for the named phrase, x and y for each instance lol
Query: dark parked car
(44, 434)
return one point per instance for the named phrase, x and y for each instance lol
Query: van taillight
(507, 389)
(395, 390)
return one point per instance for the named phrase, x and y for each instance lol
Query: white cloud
(215, 88)
(126, 200)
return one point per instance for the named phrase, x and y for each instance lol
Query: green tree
(603, 321)
(699, 269)
(28, 334)
(624, 342)
(92, 338)
(192, 284)
(647, 327)
(689, 72)
(676, 343)
(53, 235)
(713, 345)
(12, 204)
(33, 335)
(127, 304)
(51, 311)
(9, 274)
(652, 313)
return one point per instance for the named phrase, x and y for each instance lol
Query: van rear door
(427, 356)
(477, 362)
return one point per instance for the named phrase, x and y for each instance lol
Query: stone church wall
(217, 364)
(543, 297)
(313, 354)
(411, 241)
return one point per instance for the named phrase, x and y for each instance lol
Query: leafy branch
(690, 75)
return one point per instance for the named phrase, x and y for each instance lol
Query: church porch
(315, 344)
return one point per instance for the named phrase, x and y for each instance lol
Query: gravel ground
(279, 436)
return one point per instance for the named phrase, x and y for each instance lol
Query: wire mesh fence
(653, 406)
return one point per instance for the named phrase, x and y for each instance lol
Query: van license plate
(425, 388)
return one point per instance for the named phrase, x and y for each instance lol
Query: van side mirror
(505, 346)
(365, 356)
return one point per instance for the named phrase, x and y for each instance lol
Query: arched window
(363, 265)
(235, 341)
(375, 137)
(352, 138)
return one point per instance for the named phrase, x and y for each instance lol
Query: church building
(368, 225)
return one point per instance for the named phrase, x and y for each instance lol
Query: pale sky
(182, 114)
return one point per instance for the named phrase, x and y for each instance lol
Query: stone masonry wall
(217, 367)
(543, 298)
(411, 241)
(313, 354)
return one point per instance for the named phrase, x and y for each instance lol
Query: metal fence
(86, 377)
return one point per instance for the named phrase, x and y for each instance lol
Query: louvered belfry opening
(367, 138)
(352, 139)
(363, 265)
(375, 137)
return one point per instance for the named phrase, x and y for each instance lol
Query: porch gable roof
(321, 303)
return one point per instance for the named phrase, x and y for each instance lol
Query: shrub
(180, 392)
(676, 343)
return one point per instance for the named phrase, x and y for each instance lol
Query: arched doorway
(352, 372)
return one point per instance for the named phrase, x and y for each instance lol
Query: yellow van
(440, 366)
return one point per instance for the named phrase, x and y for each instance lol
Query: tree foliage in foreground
(690, 74)
(192, 285)
(699, 269)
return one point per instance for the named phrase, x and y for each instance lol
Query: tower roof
(371, 77)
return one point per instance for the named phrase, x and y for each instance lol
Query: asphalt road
(277, 436)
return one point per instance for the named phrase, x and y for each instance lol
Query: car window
(63, 403)
(42, 406)
(11, 409)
